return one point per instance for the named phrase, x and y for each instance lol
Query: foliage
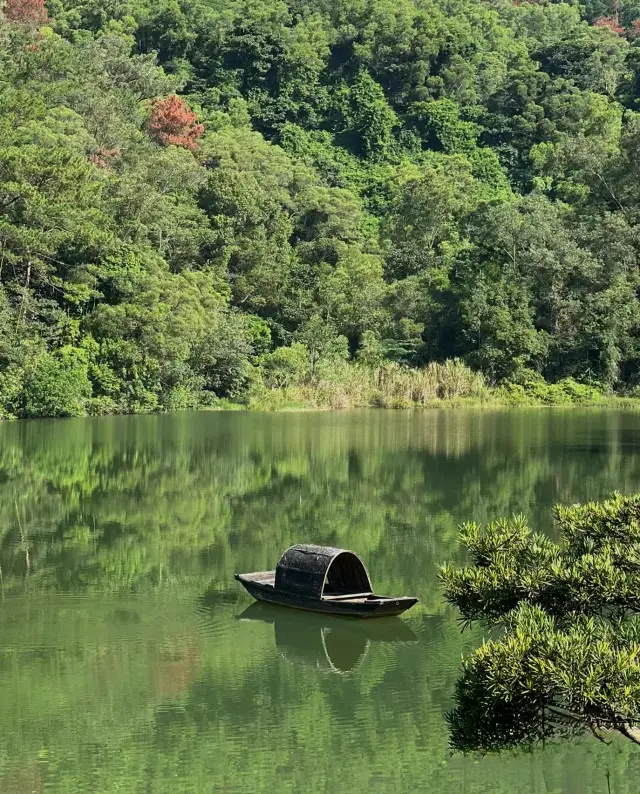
(569, 653)
(171, 121)
(382, 183)
(57, 385)
(286, 366)
(609, 22)
(529, 387)
(27, 12)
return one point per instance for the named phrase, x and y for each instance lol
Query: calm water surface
(130, 661)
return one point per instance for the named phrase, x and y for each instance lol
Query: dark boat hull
(373, 606)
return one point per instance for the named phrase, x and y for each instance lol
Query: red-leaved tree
(634, 32)
(25, 12)
(609, 22)
(172, 121)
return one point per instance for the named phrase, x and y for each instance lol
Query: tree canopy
(187, 188)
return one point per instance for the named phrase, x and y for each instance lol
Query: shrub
(11, 385)
(575, 392)
(527, 387)
(57, 385)
(181, 398)
(286, 366)
(515, 394)
(101, 406)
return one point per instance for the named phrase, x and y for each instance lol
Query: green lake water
(131, 661)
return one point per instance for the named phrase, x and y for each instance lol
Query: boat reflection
(325, 642)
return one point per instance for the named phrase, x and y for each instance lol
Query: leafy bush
(102, 406)
(11, 392)
(181, 398)
(527, 387)
(57, 385)
(285, 366)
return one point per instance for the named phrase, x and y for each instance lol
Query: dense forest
(208, 199)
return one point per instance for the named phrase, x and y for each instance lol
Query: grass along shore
(438, 385)
(331, 385)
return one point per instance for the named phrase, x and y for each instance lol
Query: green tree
(367, 116)
(567, 657)
(57, 385)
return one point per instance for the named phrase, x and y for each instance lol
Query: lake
(131, 661)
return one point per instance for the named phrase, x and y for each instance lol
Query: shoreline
(344, 386)
(629, 404)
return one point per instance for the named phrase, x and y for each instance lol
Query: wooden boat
(323, 579)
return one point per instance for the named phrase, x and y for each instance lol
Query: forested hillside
(203, 199)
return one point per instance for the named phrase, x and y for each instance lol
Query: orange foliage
(611, 23)
(172, 121)
(26, 12)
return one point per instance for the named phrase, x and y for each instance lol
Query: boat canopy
(320, 571)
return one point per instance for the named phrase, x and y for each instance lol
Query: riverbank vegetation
(449, 384)
(321, 203)
(567, 657)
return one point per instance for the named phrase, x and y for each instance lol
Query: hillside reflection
(124, 668)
